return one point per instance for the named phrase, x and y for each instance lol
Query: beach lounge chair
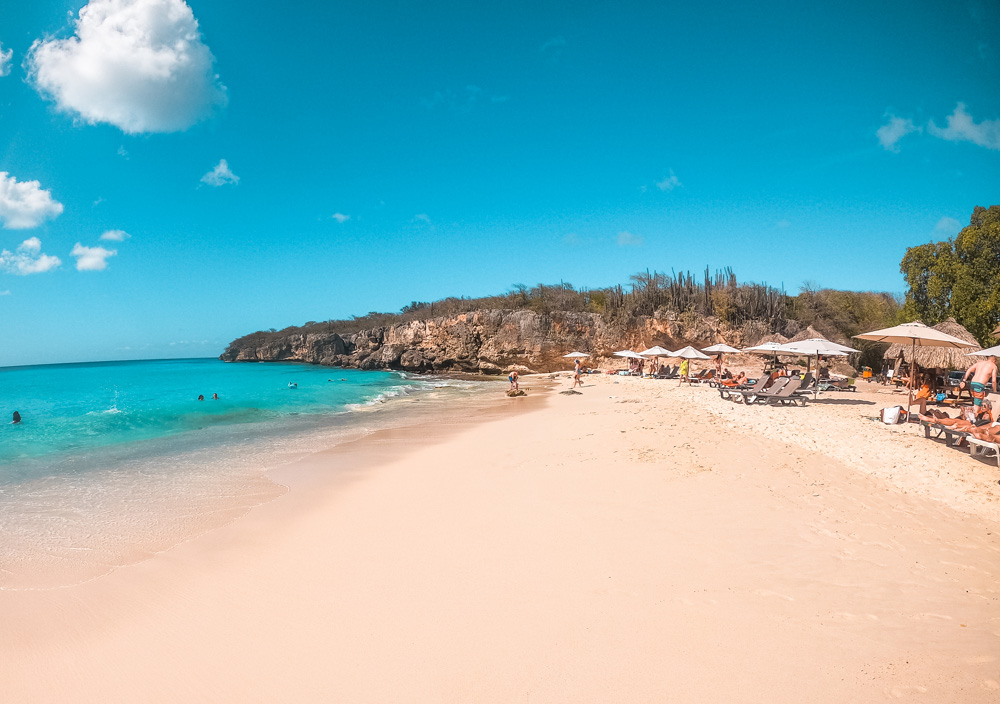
(754, 395)
(951, 436)
(727, 392)
(981, 448)
(789, 394)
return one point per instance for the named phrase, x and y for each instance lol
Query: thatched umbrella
(937, 357)
(810, 333)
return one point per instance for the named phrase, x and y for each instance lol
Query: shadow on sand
(841, 402)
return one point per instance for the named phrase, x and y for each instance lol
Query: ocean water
(115, 461)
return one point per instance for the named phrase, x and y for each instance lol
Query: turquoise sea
(113, 461)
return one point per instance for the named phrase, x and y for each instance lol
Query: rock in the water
(516, 392)
(571, 392)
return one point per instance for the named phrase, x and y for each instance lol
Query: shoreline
(608, 546)
(186, 492)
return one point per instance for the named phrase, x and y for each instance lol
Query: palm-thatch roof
(939, 357)
(810, 333)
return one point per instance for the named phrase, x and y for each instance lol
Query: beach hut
(937, 357)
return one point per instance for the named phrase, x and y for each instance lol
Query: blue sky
(261, 165)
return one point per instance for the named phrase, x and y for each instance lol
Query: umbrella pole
(913, 366)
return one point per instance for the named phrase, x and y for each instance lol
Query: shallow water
(115, 461)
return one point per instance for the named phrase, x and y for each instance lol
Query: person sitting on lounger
(921, 399)
(739, 380)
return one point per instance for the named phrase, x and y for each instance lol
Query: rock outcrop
(484, 341)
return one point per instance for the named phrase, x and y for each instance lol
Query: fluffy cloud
(25, 204)
(341, 218)
(627, 239)
(115, 236)
(137, 64)
(27, 259)
(5, 57)
(962, 128)
(91, 258)
(894, 130)
(669, 183)
(220, 175)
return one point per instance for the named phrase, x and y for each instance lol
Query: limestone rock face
(483, 341)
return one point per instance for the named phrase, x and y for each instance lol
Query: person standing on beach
(512, 378)
(982, 373)
(576, 374)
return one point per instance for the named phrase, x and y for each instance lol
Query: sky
(176, 174)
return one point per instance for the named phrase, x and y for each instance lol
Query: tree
(959, 277)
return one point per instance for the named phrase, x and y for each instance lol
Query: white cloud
(91, 258)
(5, 292)
(137, 64)
(122, 153)
(962, 128)
(340, 217)
(947, 227)
(894, 130)
(25, 204)
(669, 183)
(422, 217)
(627, 239)
(5, 60)
(27, 259)
(115, 236)
(220, 175)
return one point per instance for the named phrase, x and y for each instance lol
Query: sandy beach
(637, 542)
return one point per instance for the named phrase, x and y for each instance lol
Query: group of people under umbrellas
(916, 334)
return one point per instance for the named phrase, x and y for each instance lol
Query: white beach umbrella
(720, 348)
(766, 348)
(918, 335)
(574, 355)
(817, 347)
(657, 351)
(628, 354)
(689, 352)
(988, 352)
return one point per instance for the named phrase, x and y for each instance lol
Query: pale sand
(637, 543)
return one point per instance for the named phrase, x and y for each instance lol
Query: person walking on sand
(983, 372)
(576, 374)
(512, 378)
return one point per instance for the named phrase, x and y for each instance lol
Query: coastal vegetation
(959, 277)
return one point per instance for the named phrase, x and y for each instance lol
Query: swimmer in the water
(17, 418)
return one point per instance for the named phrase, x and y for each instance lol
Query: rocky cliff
(485, 341)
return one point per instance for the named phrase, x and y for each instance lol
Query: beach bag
(893, 415)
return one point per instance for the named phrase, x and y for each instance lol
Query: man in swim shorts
(983, 374)
(512, 378)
